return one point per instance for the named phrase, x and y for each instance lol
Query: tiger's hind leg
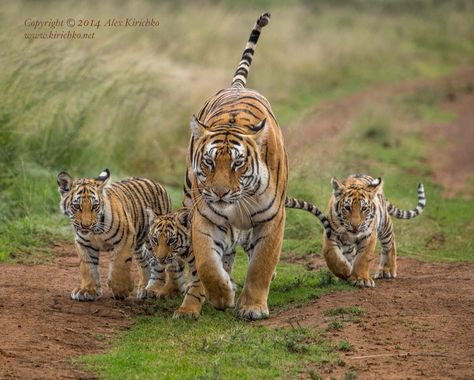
(388, 255)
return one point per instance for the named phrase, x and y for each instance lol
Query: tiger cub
(170, 241)
(359, 214)
(111, 218)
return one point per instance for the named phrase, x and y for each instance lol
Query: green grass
(220, 346)
(216, 346)
(124, 101)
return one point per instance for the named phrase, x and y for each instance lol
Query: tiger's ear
(103, 178)
(260, 132)
(151, 216)
(64, 181)
(197, 128)
(184, 218)
(376, 185)
(337, 187)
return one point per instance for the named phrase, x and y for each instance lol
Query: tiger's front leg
(120, 279)
(142, 259)
(335, 259)
(264, 253)
(360, 275)
(90, 289)
(194, 296)
(209, 247)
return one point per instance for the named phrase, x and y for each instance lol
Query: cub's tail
(303, 205)
(240, 77)
(410, 214)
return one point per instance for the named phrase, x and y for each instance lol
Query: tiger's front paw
(121, 288)
(251, 308)
(86, 294)
(143, 294)
(187, 312)
(385, 273)
(252, 312)
(361, 282)
(221, 297)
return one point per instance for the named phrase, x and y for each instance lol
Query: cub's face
(169, 234)
(226, 163)
(82, 200)
(354, 204)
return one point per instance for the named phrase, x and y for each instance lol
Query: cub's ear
(64, 181)
(376, 185)
(198, 129)
(152, 215)
(184, 217)
(103, 178)
(260, 132)
(337, 187)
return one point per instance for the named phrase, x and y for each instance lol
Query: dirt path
(452, 156)
(417, 326)
(42, 330)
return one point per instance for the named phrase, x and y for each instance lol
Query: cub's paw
(252, 312)
(361, 282)
(143, 294)
(385, 273)
(185, 312)
(86, 294)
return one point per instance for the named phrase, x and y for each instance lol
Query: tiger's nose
(220, 192)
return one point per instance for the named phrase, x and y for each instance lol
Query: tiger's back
(135, 195)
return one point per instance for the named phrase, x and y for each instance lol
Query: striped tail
(302, 205)
(404, 214)
(240, 77)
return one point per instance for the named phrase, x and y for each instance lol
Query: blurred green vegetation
(124, 99)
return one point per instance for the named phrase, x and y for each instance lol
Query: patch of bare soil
(330, 120)
(42, 329)
(416, 326)
(453, 160)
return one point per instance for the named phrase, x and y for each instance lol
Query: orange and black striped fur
(170, 241)
(111, 218)
(359, 214)
(236, 184)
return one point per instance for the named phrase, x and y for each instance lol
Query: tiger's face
(226, 164)
(170, 235)
(82, 200)
(354, 204)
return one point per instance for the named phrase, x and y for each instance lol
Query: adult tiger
(111, 218)
(236, 181)
(359, 213)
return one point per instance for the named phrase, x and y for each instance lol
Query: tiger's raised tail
(240, 77)
(410, 214)
(303, 205)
